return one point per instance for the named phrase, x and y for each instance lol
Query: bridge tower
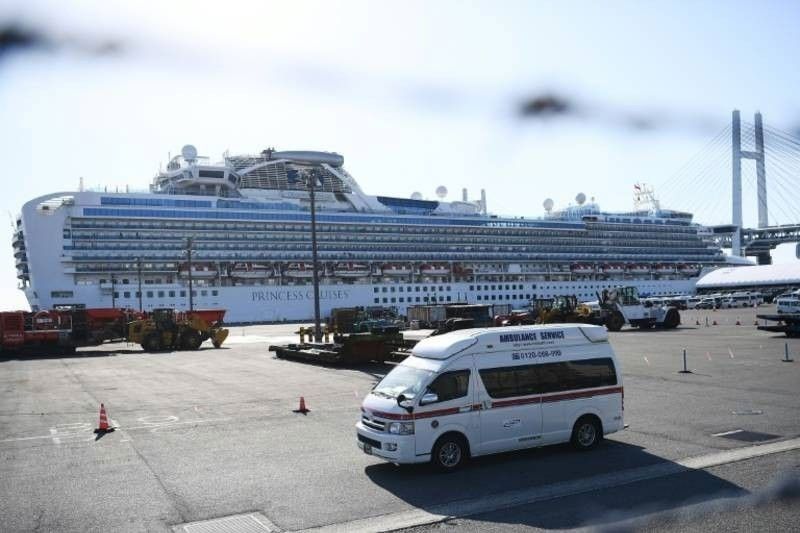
(737, 155)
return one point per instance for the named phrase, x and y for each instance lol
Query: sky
(414, 94)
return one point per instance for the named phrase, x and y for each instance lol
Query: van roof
(509, 337)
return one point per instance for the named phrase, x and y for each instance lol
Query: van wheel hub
(450, 454)
(587, 434)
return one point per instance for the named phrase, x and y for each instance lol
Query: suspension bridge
(721, 172)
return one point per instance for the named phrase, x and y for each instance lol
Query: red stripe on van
(500, 404)
(557, 397)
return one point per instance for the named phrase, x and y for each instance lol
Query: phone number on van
(535, 355)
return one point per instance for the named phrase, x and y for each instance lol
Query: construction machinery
(566, 309)
(167, 329)
(61, 331)
(622, 306)
(434, 316)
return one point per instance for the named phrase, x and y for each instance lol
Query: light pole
(311, 177)
(189, 264)
(139, 277)
(113, 291)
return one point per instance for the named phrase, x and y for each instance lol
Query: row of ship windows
(147, 294)
(323, 229)
(305, 217)
(259, 231)
(434, 288)
(426, 299)
(374, 255)
(164, 202)
(303, 240)
(574, 231)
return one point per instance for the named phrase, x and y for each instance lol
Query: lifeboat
(459, 270)
(250, 271)
(582, 269)
(199, 271)
(434, 270)
(664, 268)
(300, 270)
(689, 270)
(351, 270)
(638, 268)
(395, 270)
(614, 268)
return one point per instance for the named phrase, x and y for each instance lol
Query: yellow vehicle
(565, 309)
(166, 329)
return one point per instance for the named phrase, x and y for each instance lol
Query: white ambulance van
(481, 391)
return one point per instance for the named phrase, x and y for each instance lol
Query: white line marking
(726, 433)
(54, 433)
(125, 436)
(440, 513)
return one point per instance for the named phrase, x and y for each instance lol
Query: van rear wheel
(449, 453)
(586, 433)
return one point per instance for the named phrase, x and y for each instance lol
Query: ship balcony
(18, 238)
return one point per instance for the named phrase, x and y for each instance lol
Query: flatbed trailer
(786, 323)
(347, 349)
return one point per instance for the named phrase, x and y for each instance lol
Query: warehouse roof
(750, 276)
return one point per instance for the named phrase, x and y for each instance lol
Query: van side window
(549, 377)
(451, 385)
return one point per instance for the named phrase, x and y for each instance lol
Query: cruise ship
(246, 223)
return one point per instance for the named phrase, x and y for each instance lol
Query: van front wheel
(587, 433)
(449, 453)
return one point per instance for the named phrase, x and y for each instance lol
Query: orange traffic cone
(302, 409)
(103, 426)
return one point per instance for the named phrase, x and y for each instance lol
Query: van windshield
(404, 380)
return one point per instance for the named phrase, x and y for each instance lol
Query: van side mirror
(429, 397)
(405, 403)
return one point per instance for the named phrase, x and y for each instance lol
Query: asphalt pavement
(212, 434)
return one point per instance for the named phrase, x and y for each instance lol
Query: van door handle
(465, 409)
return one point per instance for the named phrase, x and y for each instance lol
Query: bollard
(685, 370)
(326, 333)
(302, 332)
(786, 354)
(706, 321)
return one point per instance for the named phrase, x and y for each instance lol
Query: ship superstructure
(247, 220)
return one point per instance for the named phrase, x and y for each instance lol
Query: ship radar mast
(644, 197)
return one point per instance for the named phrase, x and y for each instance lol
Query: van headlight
(401, 428)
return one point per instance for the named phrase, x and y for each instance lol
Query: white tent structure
(752, 277)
